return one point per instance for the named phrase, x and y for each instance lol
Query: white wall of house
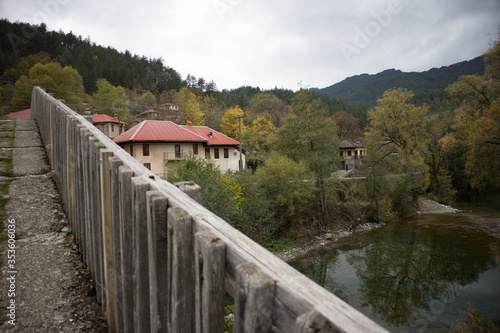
(112, 130)
(157, 156)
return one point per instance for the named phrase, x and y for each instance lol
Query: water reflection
(408, 272)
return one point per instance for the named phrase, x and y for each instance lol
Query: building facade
(110, 126)
(351, 155)
(159, 144)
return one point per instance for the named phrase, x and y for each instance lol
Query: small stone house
(110, 126)
(351, 155)
(158, 144)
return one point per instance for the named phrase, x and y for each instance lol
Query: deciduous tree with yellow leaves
(476, 127)
(230, 123)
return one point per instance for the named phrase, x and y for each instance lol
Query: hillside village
(352, 162)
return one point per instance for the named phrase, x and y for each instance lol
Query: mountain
(427, 85)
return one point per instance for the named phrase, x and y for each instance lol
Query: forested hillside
(426, 86)
(90, 60)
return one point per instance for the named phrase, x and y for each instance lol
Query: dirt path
(44, 287)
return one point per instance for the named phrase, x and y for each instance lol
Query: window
(195, 148)
(226, 152)
(131, 150)
(177, 151)
(216, 152)
(148, 165)
(207, 152)
(145, 149)
(349, 153)
(112, 127)
(341, 153)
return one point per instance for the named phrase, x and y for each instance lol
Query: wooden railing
(161, 262)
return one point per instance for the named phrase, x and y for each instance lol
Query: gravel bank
(324, 239)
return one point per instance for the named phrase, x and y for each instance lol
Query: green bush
(220, 194)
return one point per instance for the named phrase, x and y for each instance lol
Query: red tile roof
(25, 114)
(104, 118)
(215, 138)
(167, 131)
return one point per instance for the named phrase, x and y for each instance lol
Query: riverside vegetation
(445, 147)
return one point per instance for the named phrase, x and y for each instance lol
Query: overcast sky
(282, 43)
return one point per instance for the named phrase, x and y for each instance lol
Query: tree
(477, 123)
(399, 129)
(189, 107)
(145, 102)
(230, 123)
(347, 126)
(64, 83)
(441, 182)
(213, 111)
(260, 136)
(307, 135)
(112, 100)
(289, 186)
(268, 106)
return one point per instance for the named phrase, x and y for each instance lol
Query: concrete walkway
(44, 287)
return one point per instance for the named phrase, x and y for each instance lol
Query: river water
(420, 274)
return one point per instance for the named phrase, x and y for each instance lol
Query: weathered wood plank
(181, 263)
(96, 224)
(157, 255)
(107, 243)
(210, 259)
(140, 186)
(125, 175)
(254, 300)
(114, 164)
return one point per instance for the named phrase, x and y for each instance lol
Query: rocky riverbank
(426, 206)
(325, 239)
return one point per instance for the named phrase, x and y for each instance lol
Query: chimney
(189, 123)
(115, 117)
(210, 135)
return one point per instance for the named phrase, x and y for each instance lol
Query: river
(419, 274)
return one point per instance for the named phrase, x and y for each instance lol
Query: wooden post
(114, 165)
(96, 224)
(140, 185)
(191, 189)
(86, 188)
(210, 259)
(157, 255)
(181, 264)
(107, 243)
(314, 322)
(254, 301)
(125, 175)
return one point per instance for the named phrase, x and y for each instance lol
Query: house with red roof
(158, 144)
(110, 126)
(149, 114)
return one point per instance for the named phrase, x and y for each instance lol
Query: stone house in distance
(351, 155)
(110, 126)
(158, 144)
